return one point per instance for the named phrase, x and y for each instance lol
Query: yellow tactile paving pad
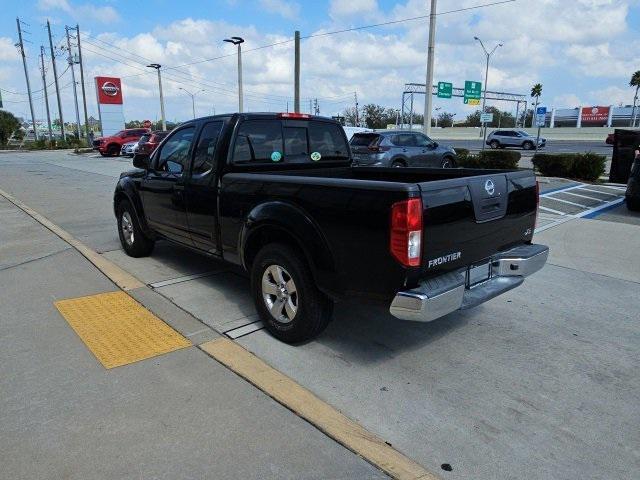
(118, 330)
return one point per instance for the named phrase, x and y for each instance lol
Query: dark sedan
(399, 148)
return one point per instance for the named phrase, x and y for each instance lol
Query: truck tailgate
(467, 220)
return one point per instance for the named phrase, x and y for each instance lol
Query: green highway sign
(472, 90)
(445, 89)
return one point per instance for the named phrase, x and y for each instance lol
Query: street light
(486, 76)
(238, 41)
(157, 67)
(437, 109)
(193, 101)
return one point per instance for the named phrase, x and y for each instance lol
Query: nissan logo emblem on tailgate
(109, 88)
(490, 187)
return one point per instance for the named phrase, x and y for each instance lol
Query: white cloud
(339, 9)
(85, 11)
(8, 51)
(612, 96)
(284, 8)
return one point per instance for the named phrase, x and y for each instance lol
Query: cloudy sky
(582, 51)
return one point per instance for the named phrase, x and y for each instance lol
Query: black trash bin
(625, 143)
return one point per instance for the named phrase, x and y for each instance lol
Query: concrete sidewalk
(174, 416)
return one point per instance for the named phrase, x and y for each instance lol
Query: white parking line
(598, 191)
(557, 212)
(583, 196)
(566, 201)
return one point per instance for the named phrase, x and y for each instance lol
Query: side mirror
(141, 160)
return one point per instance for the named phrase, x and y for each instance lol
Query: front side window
(405, 140)
(205, 151)
(258, 141)
(174, 156)
(423, 140)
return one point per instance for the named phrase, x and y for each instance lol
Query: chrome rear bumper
(447, 293)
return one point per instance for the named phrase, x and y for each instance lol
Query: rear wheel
(285, 295)
(633, 204)
(132, 239)
(528, 145)
(448, 162)
(494, 144)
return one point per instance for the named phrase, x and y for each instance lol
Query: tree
(8, 125)
(350, 116)
(536, 92)
(445, 119)
(634, 82)
(374, 116)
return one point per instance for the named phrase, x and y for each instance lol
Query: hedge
(580, 166)
(494, 159)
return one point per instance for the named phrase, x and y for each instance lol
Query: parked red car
(150, 141)
(110, 146)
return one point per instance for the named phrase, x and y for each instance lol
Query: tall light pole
(193, 101)
(157, 67)
(428, 101)
(72, 61)
(486, 76)
(238, 41)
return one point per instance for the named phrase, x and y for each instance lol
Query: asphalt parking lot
(541, 382)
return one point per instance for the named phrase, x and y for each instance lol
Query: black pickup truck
(277, 195)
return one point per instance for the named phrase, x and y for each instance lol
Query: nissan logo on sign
(109, 88)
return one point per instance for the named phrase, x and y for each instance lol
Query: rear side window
(363, 139)
(328, 140)
(258, 141)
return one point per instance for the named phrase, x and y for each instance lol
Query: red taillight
(406, 231)
(376, 148)
(293, 115)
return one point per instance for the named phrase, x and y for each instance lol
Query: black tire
(104, 154)
(528, 145)
(633, 204)
(398, 164)
(139, 245)
(448, 162)
(495, 144)
(312, 308)
(113, 150)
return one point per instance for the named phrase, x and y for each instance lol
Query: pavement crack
(31, 260)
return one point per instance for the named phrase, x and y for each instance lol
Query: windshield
(363, 139)
(145, 138)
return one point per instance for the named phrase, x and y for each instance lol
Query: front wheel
(285, 295)
(398, 164)
(133, 241)
(528, 146)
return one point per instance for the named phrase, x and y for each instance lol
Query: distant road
(553, 146)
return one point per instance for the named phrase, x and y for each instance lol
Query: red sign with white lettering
(595, 114)
(109, 90)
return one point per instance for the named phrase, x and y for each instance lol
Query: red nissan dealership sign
(595, 114)
(109, 90)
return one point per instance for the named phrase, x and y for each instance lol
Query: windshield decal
(315, 156)
(276, 156)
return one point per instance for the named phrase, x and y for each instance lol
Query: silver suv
(514, 138)
(399, 148)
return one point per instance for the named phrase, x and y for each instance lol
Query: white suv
(514, 138)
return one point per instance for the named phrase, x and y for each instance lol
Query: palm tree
(634, 82)
(536, 92)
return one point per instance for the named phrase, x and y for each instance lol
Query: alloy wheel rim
(127, 228)
(280, 294)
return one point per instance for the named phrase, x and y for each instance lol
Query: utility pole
(26, 76)
(55, 77)
(238, 41)
(46, 95)
(157, 67)
(310, 106)
(428, 101)
(84, 95)
(355, 96)
(296, 72)
(316, 107)
(73, 80)
(486, 77)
